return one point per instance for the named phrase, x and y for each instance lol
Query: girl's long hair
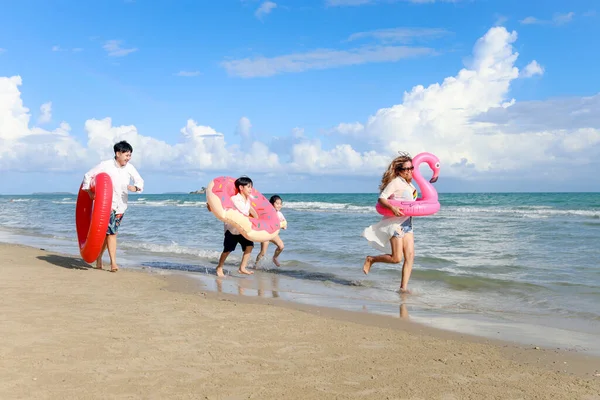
(393, 169)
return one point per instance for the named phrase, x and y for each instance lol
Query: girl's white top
(282, 220)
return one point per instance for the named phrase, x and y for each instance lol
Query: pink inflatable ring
(261, 229)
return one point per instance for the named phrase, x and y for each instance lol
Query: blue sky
(303, 96)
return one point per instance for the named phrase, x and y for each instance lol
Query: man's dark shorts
(113, 223)
(230, 242)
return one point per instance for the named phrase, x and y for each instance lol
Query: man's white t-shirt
(120, 177)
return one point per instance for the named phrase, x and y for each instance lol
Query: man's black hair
(122, 147)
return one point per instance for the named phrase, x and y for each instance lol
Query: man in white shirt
(121, 173)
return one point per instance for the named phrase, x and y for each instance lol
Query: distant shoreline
(291, 193)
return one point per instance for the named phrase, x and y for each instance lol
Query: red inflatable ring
(92, 216)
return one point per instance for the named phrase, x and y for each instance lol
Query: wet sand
(70, 331)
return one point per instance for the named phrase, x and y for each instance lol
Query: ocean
(514, 266)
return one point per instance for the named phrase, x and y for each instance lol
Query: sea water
(519, 266)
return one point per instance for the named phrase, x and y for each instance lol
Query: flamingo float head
(432, 161)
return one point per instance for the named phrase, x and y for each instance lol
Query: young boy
(232, 236)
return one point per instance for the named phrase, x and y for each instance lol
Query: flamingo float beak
(433, 179)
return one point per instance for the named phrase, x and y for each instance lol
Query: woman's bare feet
(98, 265)
(114, 268)
(367, 265)
(276, 262)
(404, 291)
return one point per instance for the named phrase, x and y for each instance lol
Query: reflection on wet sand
(268, 286)
(261, 286)
(403, 310)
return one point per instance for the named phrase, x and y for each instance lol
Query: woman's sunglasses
(407, 169)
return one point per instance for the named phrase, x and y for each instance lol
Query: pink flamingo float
(428, 203)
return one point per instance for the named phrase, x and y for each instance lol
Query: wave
(172, 248)
(167, 203)
(526, 212)
(318, 206)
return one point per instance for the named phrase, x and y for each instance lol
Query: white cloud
(336, 3)
(46, 113)
(57, 48)
(500, 20)
(447, 120)
(530, 21)
(31, 148)
(349, 129)
(557, 19)
(265, 9)
(298, 133)
(401, 35)
(320, 59)
(114, 49)
(310, 158)
(340, 3)
(533, 68)
(188, 74)
(468, 120)
(560, 19)
(243, 127)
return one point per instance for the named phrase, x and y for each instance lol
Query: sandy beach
(73, 332)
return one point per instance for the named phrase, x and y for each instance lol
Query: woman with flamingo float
(398, 203)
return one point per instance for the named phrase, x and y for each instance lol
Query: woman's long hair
(394, 169)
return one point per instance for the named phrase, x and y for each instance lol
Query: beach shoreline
(339, 293)
(149, 335)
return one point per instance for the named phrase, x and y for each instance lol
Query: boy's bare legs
(99, 259)
(221, 263)
(279, 243)
(263, 251)
(408, 245)
(393, 258)
(111, 245)
(244, 263)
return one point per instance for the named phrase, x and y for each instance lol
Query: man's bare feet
(276, 262)
(367, 265)
(404, 291)
(245, 271)
(220, 272)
